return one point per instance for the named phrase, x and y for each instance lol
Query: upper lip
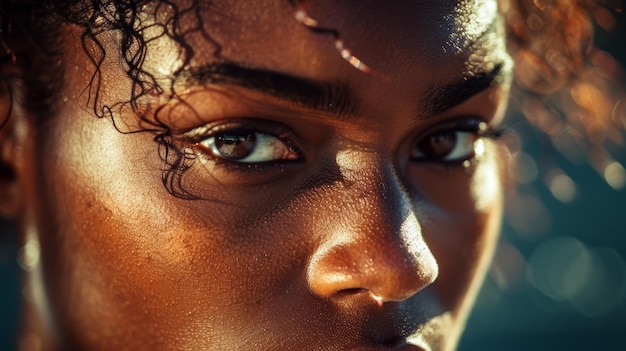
(393, 326)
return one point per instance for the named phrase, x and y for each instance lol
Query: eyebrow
(440, 98)
(334, 98)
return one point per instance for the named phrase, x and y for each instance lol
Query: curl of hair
(567, 88)
(32, 60)
(550, 39)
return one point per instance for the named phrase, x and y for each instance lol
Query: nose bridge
(371, 182)
(374, 243)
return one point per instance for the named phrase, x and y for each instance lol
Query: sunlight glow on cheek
(479, 148)
(485, 186)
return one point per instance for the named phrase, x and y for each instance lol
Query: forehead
(381, 33)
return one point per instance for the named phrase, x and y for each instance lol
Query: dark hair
(33, 60)
(550, 39)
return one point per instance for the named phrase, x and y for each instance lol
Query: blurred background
(558, 281)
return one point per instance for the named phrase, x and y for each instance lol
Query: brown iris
(438, 145)
(235, 146)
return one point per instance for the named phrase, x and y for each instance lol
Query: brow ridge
(441, 98)
(331, 98)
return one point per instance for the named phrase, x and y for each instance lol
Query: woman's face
(332, 209)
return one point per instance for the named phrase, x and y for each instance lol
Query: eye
(248, 146)
(242, 152)
(447, 146)
(450, 144)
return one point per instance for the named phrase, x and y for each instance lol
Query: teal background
(522, 317)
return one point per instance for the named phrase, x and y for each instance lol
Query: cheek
(486, 185)
(461, 221)
(96, 245)
(124, 252)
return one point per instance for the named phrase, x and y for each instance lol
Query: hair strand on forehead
(303, 18)
(557, 65)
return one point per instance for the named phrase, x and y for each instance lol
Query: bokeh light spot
(615, 175)
(603, 290)
(592, 281)
(523, 168)
(528, 216)
(562, 187)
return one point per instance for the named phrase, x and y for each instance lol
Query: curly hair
(551, 40)
(570, 89)
(33, 60)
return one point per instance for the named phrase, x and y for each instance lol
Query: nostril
(387, 273)
(351, 292)
(365, 293)
(394, 342)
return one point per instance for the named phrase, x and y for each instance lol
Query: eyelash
(198, 139)
(476, 126)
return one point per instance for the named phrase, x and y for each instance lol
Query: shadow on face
(307, 204)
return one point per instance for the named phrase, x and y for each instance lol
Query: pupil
(235, 146)
(439, 145)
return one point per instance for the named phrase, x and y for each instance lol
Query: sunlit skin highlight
(345, 243)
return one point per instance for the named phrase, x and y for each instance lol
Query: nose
(372, 243)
